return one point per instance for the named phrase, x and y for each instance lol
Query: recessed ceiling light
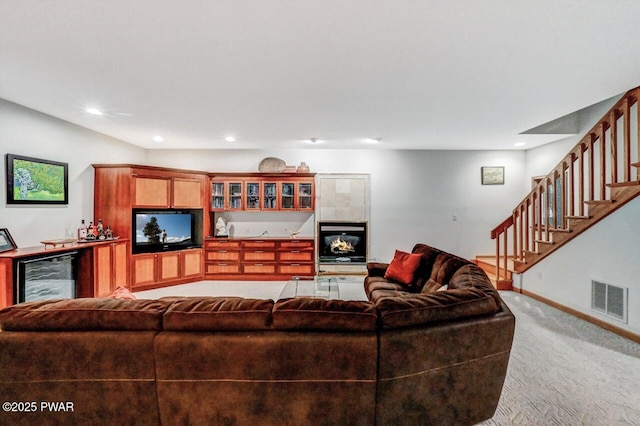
(314, 140)
(519, 144)
(373, 140)
(230, 138)
(158, 139)
(94, 111)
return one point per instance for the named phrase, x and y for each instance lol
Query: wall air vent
(609, 299)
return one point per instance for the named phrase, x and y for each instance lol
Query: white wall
(608, 252)
(27, 132)
(541, 160)
(414, 194)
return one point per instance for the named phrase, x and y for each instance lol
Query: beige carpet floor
(566, 371)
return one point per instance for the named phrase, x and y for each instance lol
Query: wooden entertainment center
(121, 189)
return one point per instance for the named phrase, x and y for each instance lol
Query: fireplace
(342, 242)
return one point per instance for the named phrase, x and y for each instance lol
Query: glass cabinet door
(217, 196)
(287, 196)
(270, 195)
(253, 196)
(305, 194)
(235, 195)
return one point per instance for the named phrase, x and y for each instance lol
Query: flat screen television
(166, 230)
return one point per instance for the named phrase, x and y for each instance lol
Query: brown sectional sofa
(410, 355)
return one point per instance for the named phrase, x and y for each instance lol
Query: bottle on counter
(91, 232)
(100, 230)
(82, 231)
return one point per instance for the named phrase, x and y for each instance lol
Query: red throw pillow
(403, 267)
(121, 293)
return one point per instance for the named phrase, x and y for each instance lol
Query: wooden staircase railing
(599, 175)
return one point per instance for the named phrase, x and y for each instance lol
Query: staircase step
(624, 184)
(567, 230)
(502, 284)
(488, 262)
(488, 265)
(598, 202)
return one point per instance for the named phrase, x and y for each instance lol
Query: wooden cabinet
(167, 192)
(256, 192)
(259, 257)
(101, 267)
(144, 270)
(158, 269)
(296, 257)
(111, 267)
(262, 195)
(191, 264)
(222, 257)
(297, 195)
(268, 259)
(227, 195)
(119, 189)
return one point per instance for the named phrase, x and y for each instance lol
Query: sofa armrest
(377, 269)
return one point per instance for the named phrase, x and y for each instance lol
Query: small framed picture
(492, 175)
(6, 242)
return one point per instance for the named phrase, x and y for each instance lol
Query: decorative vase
(303, 168)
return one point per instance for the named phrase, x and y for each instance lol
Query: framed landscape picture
(36, 181)
(492, 175)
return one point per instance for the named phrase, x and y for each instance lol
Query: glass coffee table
(324, 287)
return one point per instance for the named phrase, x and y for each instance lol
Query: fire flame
(341, 245)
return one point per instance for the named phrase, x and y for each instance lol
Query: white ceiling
(431, 74)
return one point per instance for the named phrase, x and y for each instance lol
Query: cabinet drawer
(297, 269)
(223, 255)
(259, 255)
(296, 244)
(296, 255)
(222, 244)
(258, 244)
(259, 268)
(222, 268)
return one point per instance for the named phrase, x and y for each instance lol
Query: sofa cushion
(320, 314)
(84, 314)
(444, 267)
(429, 255)
(374, 285)
(217, 313)
(403, 267)
(376, 269)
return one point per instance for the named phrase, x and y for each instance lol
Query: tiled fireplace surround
(342, 198)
